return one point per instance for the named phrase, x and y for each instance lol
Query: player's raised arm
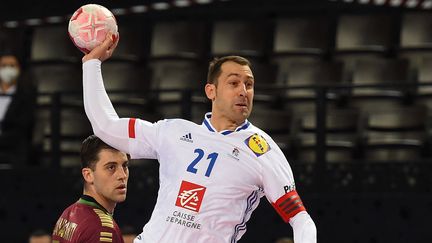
(280, 189)
(104, 120)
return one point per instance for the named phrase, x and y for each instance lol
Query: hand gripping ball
(89, 26)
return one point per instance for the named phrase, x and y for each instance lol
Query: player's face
(110, 177)
(234, 92)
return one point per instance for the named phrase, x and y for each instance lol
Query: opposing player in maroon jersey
(90, 219)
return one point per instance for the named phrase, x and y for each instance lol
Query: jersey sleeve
(99, 110)
(279, 185)
(96, 233)
(144, 138)
(133, 136)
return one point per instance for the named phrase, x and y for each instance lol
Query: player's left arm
(290, 207)
(279, 187)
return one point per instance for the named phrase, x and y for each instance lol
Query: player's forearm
(104, 120)
(304, 228)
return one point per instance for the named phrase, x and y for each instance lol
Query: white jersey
(210, 182)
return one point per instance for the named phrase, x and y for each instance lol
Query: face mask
(8, 74)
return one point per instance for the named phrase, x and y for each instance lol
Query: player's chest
(215, 159)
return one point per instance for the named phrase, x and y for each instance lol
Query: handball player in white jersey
(212, 175)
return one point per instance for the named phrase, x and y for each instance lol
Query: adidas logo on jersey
(187, 138)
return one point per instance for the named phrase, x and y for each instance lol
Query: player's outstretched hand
(104, 50)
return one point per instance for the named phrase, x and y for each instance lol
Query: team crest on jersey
(234, 154)
(190, 196)
(257, 144)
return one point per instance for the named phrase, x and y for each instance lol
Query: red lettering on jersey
(132, 128)
(289, 205)
(190, 196)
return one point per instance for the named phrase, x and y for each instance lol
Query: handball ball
(89, 26)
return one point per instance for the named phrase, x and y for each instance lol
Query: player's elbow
(304, 228)
(97, 131)
(310, 231)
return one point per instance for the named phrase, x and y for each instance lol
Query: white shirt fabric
(210, 182)
(5, 101)
(238, 179)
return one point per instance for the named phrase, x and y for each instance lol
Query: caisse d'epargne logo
(190, 196)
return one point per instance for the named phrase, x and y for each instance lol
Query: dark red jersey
(86, 221)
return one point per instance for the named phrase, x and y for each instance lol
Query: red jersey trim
(289, 205)
(132, 128)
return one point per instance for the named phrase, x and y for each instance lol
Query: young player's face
(234, 92)
(110, 177)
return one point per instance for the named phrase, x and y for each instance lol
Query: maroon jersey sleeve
(82, 223)
(100, 228)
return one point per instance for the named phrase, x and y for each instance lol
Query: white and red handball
(89, 26)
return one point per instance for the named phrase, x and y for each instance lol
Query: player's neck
(222, 123)
(106, 204)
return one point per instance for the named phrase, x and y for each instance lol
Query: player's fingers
(103, 51)
(107, 42)
(116, 38)
(110, 51)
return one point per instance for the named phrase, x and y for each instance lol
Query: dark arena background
(344, 87)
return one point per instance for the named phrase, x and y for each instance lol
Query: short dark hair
(90, 149)
(215, 66)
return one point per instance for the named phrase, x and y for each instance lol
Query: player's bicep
(279, 186)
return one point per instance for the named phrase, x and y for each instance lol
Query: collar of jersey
(209, 126)
(90, 201)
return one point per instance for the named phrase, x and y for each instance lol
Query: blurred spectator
(129, 233)
(284, 240)
(17, 105)
(39, 236)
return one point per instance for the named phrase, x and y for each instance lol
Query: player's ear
(87, 174)
(210, 90)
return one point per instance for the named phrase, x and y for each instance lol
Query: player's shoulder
(90, 224)
(98, 220)
(252, 129)
(176, 122)
(257, 134)
(83, 213)
(103, 218)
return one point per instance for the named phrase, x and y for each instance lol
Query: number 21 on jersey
(212, 157)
